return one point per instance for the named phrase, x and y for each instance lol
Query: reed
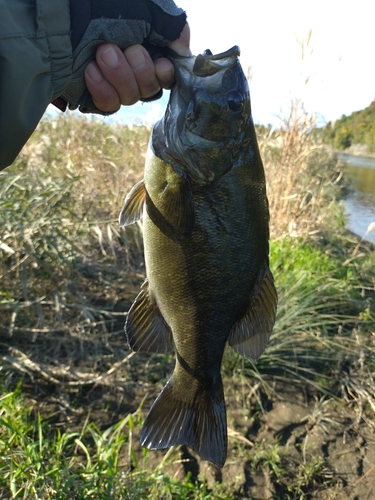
(304, 179)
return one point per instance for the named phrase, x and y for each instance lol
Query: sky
(338, 63)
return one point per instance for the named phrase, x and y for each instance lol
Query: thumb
(182, 44)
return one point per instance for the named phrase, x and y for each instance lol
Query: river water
(360, 204)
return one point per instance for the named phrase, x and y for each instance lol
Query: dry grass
(108, 159)
(67, 271)
(303, 177)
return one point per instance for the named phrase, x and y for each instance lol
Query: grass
(304, 179)
(38, 463)
(68, 274)
(274, 459)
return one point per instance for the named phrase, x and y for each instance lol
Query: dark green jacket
(35, 67)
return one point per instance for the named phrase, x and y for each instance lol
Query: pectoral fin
(145, 327)
(250, 334)
(132, 210)
(179, 204)
(173, 210)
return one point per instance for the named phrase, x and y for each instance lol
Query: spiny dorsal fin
(132, 210)
(145, 327)
(250, 334)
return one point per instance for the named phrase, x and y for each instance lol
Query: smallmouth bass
(205, 226)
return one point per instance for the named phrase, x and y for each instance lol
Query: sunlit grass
(304, 179)
(39, 462)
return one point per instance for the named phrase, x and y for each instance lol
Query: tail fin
(200, 424)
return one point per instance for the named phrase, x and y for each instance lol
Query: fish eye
(235, 100)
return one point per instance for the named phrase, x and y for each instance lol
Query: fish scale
(205, 227)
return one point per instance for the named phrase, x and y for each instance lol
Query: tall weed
(303, 177)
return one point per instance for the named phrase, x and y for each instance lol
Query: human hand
(124, 77)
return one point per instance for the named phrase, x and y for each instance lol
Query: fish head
(208, 114)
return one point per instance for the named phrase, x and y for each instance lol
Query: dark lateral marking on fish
(182, 220)
(160, 221)
(146, 330)
(195, 373)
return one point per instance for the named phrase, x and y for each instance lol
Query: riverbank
(356, 150)
(74, 397)
(360, 200)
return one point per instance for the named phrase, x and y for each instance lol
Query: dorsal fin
(132, 210)
(250, 334)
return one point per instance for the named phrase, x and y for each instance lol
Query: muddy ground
(286, 440)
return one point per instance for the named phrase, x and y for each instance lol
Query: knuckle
(128, 99)
(106, 99)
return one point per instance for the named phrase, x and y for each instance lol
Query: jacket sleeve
(35, 67)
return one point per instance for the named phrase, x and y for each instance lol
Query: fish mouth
(195, 139)
(201, 66)
(202, 123)
(208, 64)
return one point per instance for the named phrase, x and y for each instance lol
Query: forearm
(35, 67)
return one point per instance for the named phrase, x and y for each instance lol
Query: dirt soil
(284, 442)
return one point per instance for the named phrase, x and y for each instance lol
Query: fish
(206, 245)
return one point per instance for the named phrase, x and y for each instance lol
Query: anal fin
(250, 334)
(145, 327)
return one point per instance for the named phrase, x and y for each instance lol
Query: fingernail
(136, 58)
(110, 57)
(93, 72)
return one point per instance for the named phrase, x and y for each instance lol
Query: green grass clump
(37, 461)
(321, 320)
(292, 259)
(294, 485)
